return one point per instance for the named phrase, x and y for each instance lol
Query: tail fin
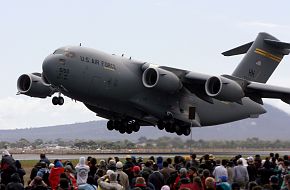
(261, 59)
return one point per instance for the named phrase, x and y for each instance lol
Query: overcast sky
(184, 34)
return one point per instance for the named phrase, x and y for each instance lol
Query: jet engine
(224, 89)
(161, 79)
(33, 85)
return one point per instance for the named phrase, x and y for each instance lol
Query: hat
(250, 159)
(211, 157)
(5, 153)
(223, 178)
(119, 165)
(140, 180)
(128, 157)
(136, 169)
(109, 172)
(51, 165)
(165, 187)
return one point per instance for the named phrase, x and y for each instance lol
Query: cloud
(25, 112)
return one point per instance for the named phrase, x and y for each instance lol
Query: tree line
(144, 142)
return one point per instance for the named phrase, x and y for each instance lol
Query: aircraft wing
(260, 90)
(195, 83)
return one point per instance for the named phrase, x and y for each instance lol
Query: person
(241, 175)
(37, 184)
(112, 182)
(7, 166)
(15, 183)
(54, 175)
(82, 171)
(193, 162)
(274, 182)
(141, 184)
(43, 172)
(287, 185)
(93, 167)
(122, 177)
(183, 181)
(44, 159)
(210, 183)
(166, 171)
(156, 178)
(220, 170)
(63, 184)
(21, 172)
(251, 168)
(71, 177)
(136, 173)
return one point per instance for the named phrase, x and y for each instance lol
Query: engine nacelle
(161, 79)
(224, 89)
(33, 85)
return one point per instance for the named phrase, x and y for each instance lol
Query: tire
(60, 101)
(110, 125)
(160, 125)
(186, 131)
(136, 127)
(55, 100)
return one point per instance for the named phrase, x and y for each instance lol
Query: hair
(251, 185)
(93, 161)
(198, 181)
(169, 161)
(210, 183)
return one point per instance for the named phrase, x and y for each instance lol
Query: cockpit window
(64, 51)
(59, 51)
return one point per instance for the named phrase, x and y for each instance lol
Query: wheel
(55, 100)
(169, 127)
(60, 100)
(186, 131)
(110, 125)
(136, 127)
(117, 125)
(179, 133)
(122, 130)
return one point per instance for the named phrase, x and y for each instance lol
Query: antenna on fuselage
(80, 44)
(123, 55)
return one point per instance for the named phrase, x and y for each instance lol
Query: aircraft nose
(50, 66)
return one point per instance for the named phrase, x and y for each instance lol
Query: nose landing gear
(58, 100)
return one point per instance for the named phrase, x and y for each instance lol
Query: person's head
(192, 171)
(68, 169)
(165, 187)
(274, 180)
(42, 156)
(251, 185)
(63, 183)
(240, 162)
(37, 181)
(57, 164)
(140, 181)
(210, 183)
(15, 178)
(5, 153)
(82, 161)
(286, 178)
(224, 162)
(183, 172)
(155, 167)
(193, 156)
(169, 160)
(119, 165)
(93, 161)
(165, 164)
(205, 173)
(43, 164)
(136, 170)
(271, 154)
(18, 164)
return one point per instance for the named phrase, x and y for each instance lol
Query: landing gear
(123, 126)
(57, 100)
(172, 126)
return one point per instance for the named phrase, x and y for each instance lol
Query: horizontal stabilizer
(279, 45)
(238, 50)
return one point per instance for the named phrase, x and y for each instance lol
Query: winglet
(238, 50)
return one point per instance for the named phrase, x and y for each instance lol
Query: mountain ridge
(270, 126)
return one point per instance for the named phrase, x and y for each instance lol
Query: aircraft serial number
(103, 64)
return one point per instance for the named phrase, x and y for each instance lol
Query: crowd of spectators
(178, 173)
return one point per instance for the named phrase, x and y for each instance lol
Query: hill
(270, 126)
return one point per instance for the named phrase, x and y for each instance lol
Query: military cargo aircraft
(132, 93)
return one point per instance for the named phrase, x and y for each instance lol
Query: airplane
(132, 93)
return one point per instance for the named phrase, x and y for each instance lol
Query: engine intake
(224, 89)
(161, 79)
(33, 85)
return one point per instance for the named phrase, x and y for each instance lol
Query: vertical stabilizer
(261, 59)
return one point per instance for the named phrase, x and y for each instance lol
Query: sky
(183, 34)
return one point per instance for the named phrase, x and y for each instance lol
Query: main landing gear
(123, 126)
(58, 100)
(172, 127)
